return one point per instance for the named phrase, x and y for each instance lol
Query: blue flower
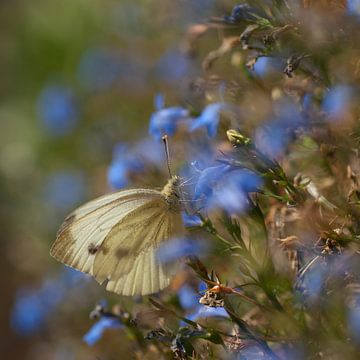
(64, 189)
(165, 121)
(209, 119)
(203, 311)
(172, 65)
(179, 247)
(151, 151)
(274, 137)
(240, 13)
(354, 319)
(353, 7)
(188, 297)
(191, 220)
(32, 307)
(98, 69)
(57, 110)
(337, 101)
(96, 331)
(208, 178)
(122, 165)
(231, 193)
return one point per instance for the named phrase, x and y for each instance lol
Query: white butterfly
(116, 237)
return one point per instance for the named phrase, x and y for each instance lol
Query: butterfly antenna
(165, 140)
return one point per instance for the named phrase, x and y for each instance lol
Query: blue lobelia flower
(96, 331)
(203, 311)
(151, 151)
(240, 13)
(179, 247)
(336, 101)
(353, 7)
(57, 110)
(98, 69)
(208, 178)
(274, 137)
(122, 165)
(209, 119)
(231, 193)
(64, 189)
(191, 220)
(165, 121)
(32, 307)
(188, 297)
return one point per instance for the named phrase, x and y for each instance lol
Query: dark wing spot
(93, 249)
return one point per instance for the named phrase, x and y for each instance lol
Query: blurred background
(77, 78)
(79, 82)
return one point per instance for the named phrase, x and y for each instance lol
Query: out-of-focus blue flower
(265, 65)
(165, 121)
(33, 306)
(98, 69)
(122, 165)
(191, 220)
(57, 110)
(96, 331)
(240, 13)
(274, 137)
(209, 119)
(159, 101)
(203, 311)
(179, 247)
(336, 101)
(354, 320)
(64, 189)
(151, 151)
(231, 193)
(188, 297)
(353, 7)
(172, 65)
(28, 314)
(313, 282)
(208, 178)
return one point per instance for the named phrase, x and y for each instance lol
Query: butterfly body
(116, 238)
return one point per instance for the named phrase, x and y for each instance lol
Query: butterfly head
(171, 192)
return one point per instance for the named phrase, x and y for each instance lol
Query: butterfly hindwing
(128, 255)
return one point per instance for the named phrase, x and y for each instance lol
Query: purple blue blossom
(64, 189)
(57, 110)
(240, 13)
(188, 298)
(231, 193)
(98, 69)
(209, 119)
(191, 220)
(32, 307)
(354, 319)
(274, 137)
(353, 7)
(166, 120)
(336, 101)
(172, 66)
(203, 311)
(96, 331)
(123, 163)
(179, 247)
(208, 178)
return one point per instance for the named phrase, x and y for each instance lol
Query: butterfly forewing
(87, 227)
